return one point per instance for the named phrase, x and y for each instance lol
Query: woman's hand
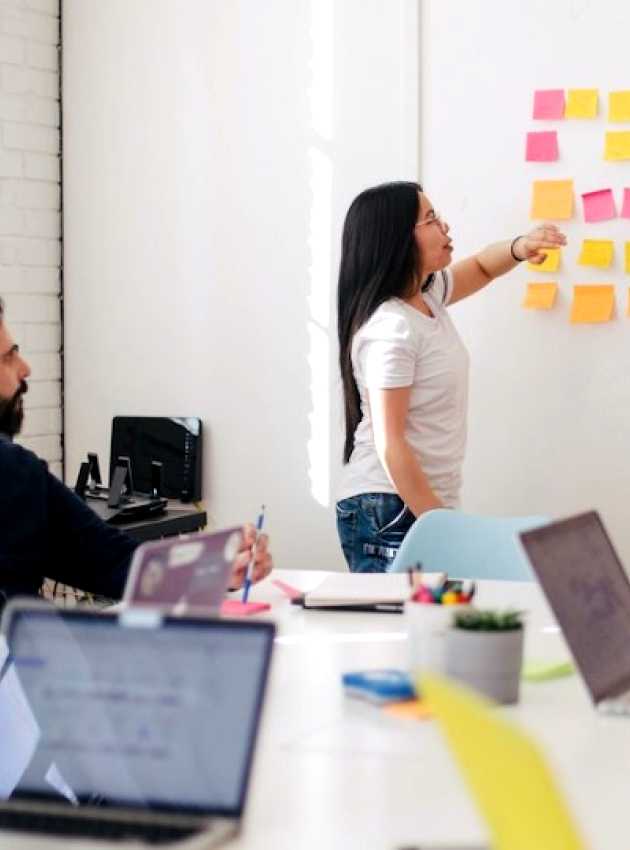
(263, 563)
(532, 245)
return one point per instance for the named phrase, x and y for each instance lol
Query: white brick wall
(29, 208)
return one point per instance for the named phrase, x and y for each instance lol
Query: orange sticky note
(627, 263)
(551, 263)
(540, 296)
(414, 709)
(552, 199)
(597, 252)
(592, 303)
(617, 145)
(581, 103)
(619, 106)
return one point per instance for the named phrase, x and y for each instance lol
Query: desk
(178, 518)
(333, 773)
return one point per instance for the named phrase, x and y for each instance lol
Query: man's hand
(263, 563)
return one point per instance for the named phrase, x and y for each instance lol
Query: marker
(249, 575)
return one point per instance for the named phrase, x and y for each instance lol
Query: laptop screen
(160, 714)
(589, 593)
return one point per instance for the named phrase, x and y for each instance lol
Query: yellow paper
(597, 252)
(552, 199)
(619, 106)
(412, 709)
(551, 263)
(627, 263)
(617, 145)
(505, 771)
(581, 103)
(592, 303)
(540, 296)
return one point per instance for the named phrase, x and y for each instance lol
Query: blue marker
(250, 567)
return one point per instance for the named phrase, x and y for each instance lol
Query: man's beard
(12, 412)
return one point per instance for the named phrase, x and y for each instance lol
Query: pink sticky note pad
(599, 206)
(549, 104)
(236, 608)
(625, 209)
(542, 147)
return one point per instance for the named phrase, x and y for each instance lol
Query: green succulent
(489, 621)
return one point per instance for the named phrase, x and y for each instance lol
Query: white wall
(550, 402)
(30, 220)
(211, 150)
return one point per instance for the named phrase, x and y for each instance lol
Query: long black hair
(379, 260)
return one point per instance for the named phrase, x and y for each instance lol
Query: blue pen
(250, 567)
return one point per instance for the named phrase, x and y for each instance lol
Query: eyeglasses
(433, 217)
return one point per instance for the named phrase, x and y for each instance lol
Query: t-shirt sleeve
(384, 354)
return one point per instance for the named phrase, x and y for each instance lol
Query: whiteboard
(549, 420)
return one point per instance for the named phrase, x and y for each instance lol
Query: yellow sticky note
(506, 773)
(540, 296)
(597, 252)
(617, 145)
(552, 199)
(551, 263)
(592, 303)
(581, 103)
(619, 106)
(627, 263)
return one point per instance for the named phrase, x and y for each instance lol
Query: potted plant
(484, 649)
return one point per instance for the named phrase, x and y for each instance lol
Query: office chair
(467, 545)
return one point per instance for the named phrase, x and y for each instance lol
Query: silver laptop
(129, 726)
(183, 574)
(589, 592)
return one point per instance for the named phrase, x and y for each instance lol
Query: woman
(403, 366)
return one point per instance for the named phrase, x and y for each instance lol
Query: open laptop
(589, 592)
(129, 726)
(183, 574)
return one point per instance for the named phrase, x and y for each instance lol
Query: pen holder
(427, 627)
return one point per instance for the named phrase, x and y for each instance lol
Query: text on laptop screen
(589, 592)
(151, 717)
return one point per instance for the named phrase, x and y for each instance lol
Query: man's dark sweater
(47, 531)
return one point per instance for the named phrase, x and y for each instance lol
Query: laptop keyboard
(92, 827)
(616, 705)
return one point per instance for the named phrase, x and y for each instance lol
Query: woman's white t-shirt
(401, 347)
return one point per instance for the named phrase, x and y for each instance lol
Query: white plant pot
(489, 662)
(427, 627)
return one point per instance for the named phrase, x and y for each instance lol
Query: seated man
(45, 529)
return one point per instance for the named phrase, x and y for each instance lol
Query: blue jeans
(371, 528)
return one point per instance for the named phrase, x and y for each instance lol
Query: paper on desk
(19, 732)
(506, 773)
(365, 588)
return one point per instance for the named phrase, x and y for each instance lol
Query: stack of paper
(365, 589)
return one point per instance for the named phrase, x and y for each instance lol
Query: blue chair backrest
(467, 545)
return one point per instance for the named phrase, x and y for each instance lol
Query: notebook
(183, 575)
(589, 592)
(365, 591)
(130, 725)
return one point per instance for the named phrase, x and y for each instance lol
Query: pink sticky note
(625, 209)
(542, 147)
(236, 608)
(549, 104)
(599, 206)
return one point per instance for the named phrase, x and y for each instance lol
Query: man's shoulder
(17, 458)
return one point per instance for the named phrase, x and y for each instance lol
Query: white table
(332, 772)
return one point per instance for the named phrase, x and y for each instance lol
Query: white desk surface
(331, 772)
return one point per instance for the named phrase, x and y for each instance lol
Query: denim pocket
(388, 515)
